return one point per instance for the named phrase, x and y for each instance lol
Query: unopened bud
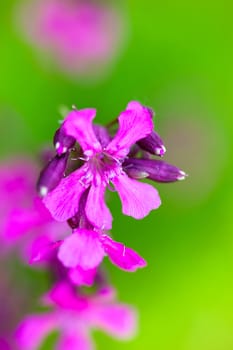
(153, 144)
(156, 170)
(63, 142)
(52, 174)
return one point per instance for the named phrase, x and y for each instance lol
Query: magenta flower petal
(33, 329)
(76, 340)
(118, 320)
(79, 125)
(125, 258)
(96, 208)
(16, 181)
(82, 277)
(64, 295)
(137, 198)
(134, 124)
(83, 249)
(19, 222)
(63, 201)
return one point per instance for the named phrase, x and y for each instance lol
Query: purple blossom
(25, 222)
(74, 315)
(16, 182)
(87, 248)
(83, 252)
(102, 166)
(82, 37)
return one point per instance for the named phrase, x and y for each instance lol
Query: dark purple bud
(156, 170)
(62, 141)
(153, 144)
(102, 135)
(52, 174)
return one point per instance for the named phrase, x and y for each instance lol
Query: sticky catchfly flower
(102, 166)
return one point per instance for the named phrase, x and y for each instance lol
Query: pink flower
(82, 36)
(87, 248)
(102, 166)
(74, 315)
(24, 220)
(83, 252)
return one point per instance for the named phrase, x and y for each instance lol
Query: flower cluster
(93, 160)
(66, 226)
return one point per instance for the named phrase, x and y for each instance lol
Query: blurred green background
(178, 60)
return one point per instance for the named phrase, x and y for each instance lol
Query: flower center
(103, 167)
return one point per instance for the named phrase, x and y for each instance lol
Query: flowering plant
(69, 221)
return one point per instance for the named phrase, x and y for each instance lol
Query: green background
(177, 58)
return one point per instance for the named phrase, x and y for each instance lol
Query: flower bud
(156, 170)
(153, 144)
(52, 174)
(63, 142)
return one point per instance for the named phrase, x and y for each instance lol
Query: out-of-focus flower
(81, 36)
(102, 165)
(16, 183)
(74, 315)
(25, 222)
(16, 186)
